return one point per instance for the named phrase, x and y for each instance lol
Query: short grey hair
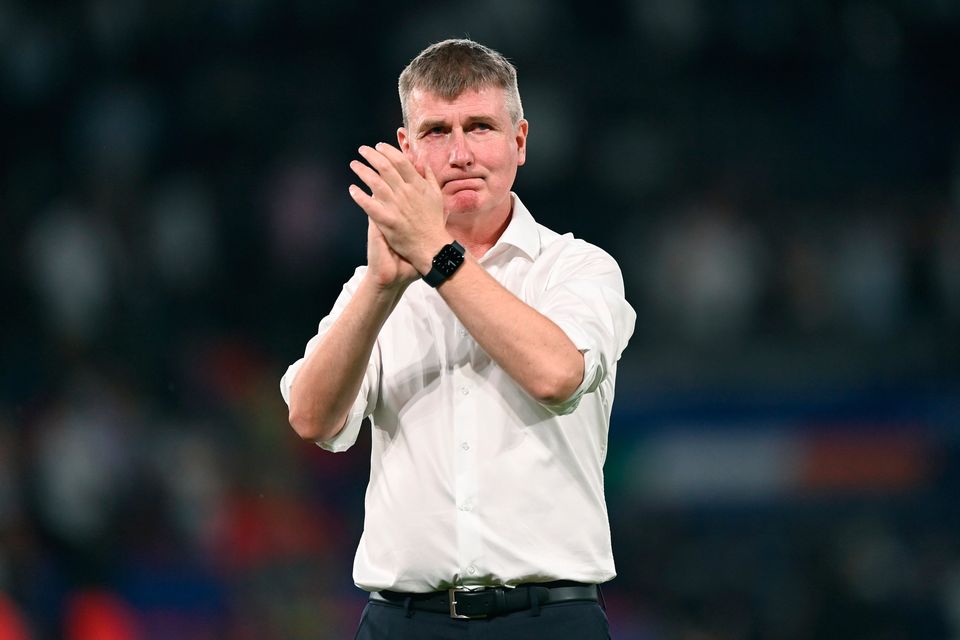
(448, 68)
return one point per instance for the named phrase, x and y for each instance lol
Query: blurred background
(780, 182)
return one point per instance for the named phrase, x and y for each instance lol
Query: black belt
(491, 601)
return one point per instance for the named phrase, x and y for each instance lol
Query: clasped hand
(405, 209)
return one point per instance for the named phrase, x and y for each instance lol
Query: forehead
(485, 101)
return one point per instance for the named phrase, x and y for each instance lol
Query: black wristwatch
(447, 260)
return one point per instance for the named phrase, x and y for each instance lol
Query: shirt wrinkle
(474, 482)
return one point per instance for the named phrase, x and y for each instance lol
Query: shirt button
(466, 506)
(462, 332)
(471, 569)
(465, 391)
(465, 446)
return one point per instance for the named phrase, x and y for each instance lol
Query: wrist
(431, 248)
(384, 291)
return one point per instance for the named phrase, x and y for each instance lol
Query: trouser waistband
(491, 601)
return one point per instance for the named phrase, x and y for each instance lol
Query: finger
(378, 187)
(374, 234)
(370, 205)
(383, 166)
(431, 179)
(400, 162)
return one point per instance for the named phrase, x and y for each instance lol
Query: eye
(481, 126)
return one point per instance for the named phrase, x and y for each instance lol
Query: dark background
(780, 182)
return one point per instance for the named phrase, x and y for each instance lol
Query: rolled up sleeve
(366, 398)
(584, 296)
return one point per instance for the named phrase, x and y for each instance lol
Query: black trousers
(580, 620)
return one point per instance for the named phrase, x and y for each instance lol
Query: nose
(461, 155)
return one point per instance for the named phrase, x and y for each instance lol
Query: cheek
(501, 157)
(427, 155)
(501, 163)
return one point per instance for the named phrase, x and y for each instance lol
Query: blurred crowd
(779, 181)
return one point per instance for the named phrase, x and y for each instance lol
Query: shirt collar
(521, 232)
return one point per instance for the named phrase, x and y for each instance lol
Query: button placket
(469, 546)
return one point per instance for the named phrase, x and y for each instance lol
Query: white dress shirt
(472, 481)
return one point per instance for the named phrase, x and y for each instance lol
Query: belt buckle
(451, 596)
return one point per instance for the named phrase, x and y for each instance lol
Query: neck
(478, 233)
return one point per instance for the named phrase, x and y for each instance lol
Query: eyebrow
(426, 125)
(430, 123)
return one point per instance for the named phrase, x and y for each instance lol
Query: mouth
(461, 184)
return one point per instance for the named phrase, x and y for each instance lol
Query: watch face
(445, 263)
(448, 260)
(449, 263)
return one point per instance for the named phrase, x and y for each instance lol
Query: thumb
(373, 231)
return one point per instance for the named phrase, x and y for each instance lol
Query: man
(483, 347)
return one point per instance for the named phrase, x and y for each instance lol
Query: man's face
(470, 144)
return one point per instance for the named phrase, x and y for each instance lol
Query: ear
(521, 139)
(403, 141)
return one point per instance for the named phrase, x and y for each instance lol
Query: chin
(464, 202)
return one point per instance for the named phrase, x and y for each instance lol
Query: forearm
(407, 206)
(530, 347)
(329, 379)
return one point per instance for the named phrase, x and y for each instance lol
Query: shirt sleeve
(584, 296)
(366, 398)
